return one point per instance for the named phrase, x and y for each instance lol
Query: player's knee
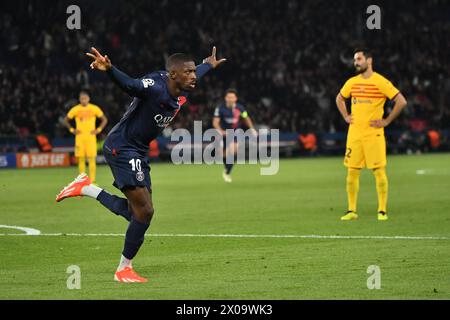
(146, 212)
(380, 177)
(379, 173)
(353, 174)
(150, 211)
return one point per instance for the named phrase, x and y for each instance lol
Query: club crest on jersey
(355, 100)
(148, 82)
(163, 121)
(140, 176)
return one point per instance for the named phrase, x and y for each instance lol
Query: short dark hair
(84, 91)
(365, 51)
(177, 58)
(231, 90)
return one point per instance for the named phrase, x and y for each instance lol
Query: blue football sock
(116, 204)
(228, 167)
(134, 238)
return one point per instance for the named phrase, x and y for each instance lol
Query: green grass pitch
(306, 197)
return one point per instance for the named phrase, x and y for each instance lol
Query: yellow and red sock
(82, 164)
(352, 187)
(382, 188)
(92, 169)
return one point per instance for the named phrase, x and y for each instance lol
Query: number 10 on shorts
(135, 164)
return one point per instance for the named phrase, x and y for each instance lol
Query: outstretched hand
(100, 62)
(212, 59)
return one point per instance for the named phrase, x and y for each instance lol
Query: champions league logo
(148, 82)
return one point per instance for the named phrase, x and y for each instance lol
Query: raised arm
(134, 87)
(202, 69)
(209, 63)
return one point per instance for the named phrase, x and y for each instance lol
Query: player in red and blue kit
(158, 97)
(228, 115)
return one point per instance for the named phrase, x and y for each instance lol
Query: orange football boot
(128, 275)
(74, 188)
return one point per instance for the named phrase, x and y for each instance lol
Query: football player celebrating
(158, 96)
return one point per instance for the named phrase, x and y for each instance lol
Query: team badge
(140, 176)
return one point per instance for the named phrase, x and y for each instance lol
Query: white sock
(91, 191)
(124, 262)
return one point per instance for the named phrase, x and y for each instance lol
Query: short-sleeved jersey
(85, 117)
(368, 97)
(230, 118)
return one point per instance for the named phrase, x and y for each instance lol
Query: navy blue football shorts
(129, 168)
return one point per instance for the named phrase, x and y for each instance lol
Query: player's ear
(172, 74)
(369, 60)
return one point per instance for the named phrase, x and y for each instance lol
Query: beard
(361, 69)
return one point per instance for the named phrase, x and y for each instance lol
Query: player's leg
(141, 204)
(375, 151)
(381, 182)
(354, 161)
(352, 187)
(80, 154)
(92, 155)
(82, 186)
(132, 175)
(229, 153)
(92, 169)
(115, 204)
(82, 165)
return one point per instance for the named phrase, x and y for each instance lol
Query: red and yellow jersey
(368, 97)
(85, 117)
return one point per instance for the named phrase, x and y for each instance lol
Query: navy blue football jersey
(230, 118)
(152, 109)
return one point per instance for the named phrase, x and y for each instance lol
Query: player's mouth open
(192, 84)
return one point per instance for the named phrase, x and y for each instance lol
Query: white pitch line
(28, 231)
(193, 235)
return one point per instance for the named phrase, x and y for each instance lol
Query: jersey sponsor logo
(355, 101)
(163, 121)
(148, 82)
(230, 120)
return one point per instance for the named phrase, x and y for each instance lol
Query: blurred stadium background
(288, 59)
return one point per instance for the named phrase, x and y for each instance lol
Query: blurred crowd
(287, 58)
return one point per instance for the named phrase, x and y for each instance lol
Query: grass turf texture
(307, 196)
